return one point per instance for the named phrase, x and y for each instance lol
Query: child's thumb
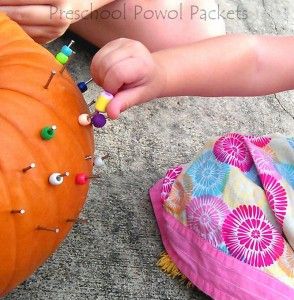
(124, 100)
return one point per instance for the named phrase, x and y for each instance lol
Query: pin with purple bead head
(98, 120)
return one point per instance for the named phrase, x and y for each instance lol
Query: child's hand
(127, 69)
(41, 19)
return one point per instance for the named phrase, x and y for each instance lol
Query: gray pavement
(114, 256)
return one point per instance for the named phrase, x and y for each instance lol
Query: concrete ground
(114, 256)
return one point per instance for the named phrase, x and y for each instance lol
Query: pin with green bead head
(47, 133)
(62, 58)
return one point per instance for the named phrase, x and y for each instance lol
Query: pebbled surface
(114, 255)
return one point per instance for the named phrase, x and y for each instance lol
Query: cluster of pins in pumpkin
(97, 119)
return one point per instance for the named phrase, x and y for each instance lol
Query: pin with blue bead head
(64, 54)
(66, 50)
(83, 86)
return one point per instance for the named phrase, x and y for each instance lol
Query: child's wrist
(161, 75)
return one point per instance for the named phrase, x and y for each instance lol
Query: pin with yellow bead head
(103, 101)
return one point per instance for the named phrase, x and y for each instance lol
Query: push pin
(91, 103)
(31, 166)
(102, 101)
(98, 120)
(65, 65)
(85, 119)
(18, 211)
(83, 86)
(53, 73)
(83, 221)
(66, 50)
(47, 133)
(99, 161)
(57, 178)
(82, 178)
(55, 230)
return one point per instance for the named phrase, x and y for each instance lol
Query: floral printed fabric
(238, 194)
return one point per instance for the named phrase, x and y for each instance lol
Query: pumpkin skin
(26, 108)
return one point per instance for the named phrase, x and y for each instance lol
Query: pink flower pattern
(251, 238)
(263, 162)
(276, 196)
(205, 215)
(232, 149)
(169, 180)
(260, 141)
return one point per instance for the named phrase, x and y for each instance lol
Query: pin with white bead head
(57, 178)
(28, 168)
(100, 161)
(18, 211)
(86, 119)
(54, 230)
(46, 86)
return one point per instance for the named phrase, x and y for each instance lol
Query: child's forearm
(233, 65)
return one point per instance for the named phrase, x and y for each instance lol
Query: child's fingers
(127, 72)
(111, 59)
(124, 100)
(29, 15)
(37, 33)
(99, 57)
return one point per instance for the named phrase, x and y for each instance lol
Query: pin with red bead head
(82, 178)
(83, 86)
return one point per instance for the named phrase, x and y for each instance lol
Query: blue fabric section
(287, 171)
(208, 175)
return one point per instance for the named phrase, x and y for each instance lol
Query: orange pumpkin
(25, 108)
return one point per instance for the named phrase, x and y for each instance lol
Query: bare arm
(232, 65)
